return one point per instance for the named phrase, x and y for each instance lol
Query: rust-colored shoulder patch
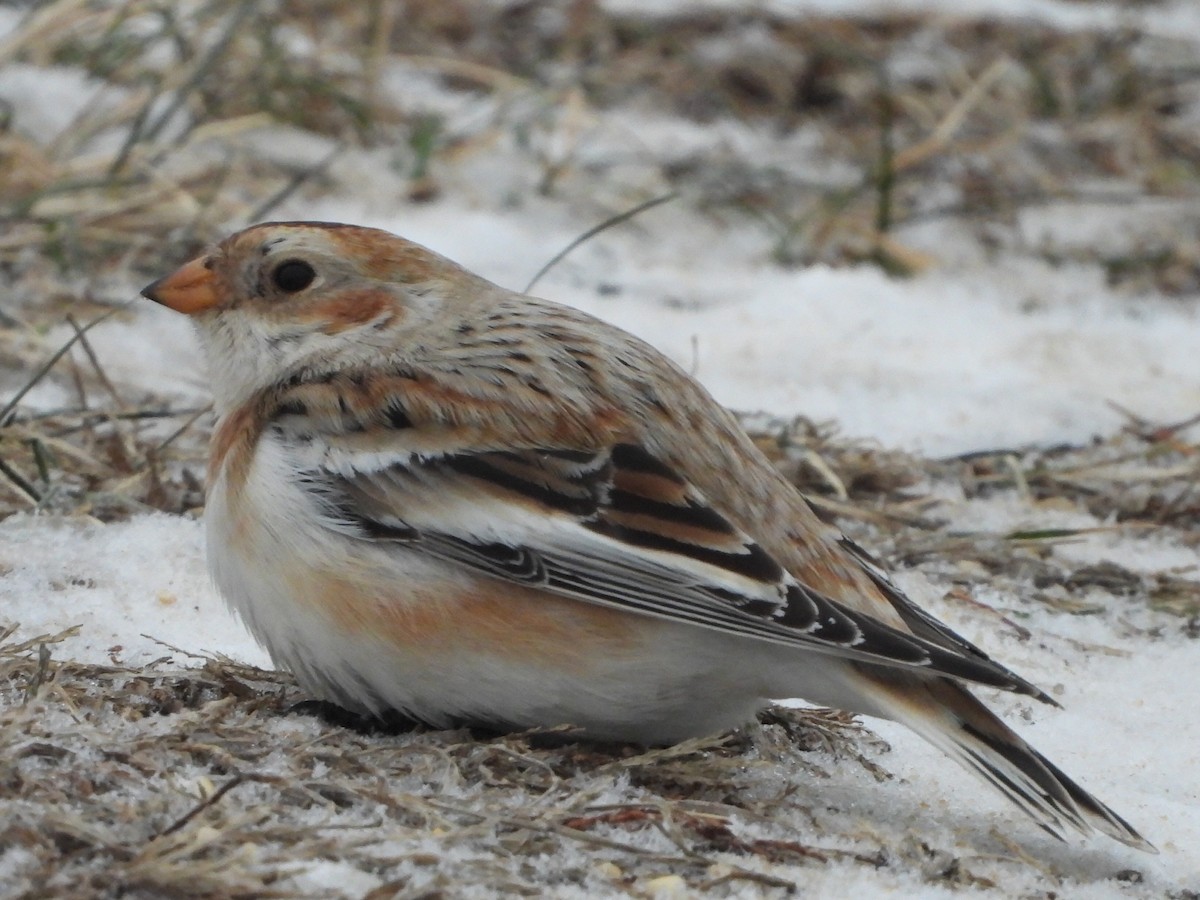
(233, 444)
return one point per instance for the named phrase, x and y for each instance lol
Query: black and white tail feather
(984, 745)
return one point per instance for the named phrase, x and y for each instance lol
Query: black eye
(293, 275)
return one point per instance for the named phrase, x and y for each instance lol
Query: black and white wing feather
(618, 527)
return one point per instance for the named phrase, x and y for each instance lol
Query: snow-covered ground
(979, 351)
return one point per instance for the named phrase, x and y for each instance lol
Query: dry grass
(964, 119)
(206, 782)
(156, 151)
(105, 456)
(1141, 481)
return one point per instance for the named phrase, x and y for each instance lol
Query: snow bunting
(431, 495)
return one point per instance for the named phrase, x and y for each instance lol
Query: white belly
(377, 626)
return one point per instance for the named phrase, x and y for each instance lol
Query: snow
(147, 573)
(46, 101)
(975, 353)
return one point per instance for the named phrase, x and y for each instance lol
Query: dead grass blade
(608, 223)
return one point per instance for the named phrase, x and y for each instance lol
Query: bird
(432, 496)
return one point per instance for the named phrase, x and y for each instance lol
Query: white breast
(285, 573)
(273, 561)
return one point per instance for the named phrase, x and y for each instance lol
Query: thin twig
(20, 481)
(592, 232)
(201, 69)
(1147, 430)
(93, 416)
(885, 176)
(953, 120)
(95, 361)
(529, 824)
(173, 436)
(213, 799)
(38, 449)
(267, 206)
(136, 128)
(41, 674)
(48, 365)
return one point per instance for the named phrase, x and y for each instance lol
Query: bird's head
(280, 298)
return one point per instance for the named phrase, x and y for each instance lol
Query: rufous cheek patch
(347, 309)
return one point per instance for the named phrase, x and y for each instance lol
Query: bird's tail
(951, 719)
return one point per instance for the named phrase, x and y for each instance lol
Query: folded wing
(617, 527)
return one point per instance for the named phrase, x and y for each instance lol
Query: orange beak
(190, 290)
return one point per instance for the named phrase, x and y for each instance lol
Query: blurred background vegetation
(187, 113)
